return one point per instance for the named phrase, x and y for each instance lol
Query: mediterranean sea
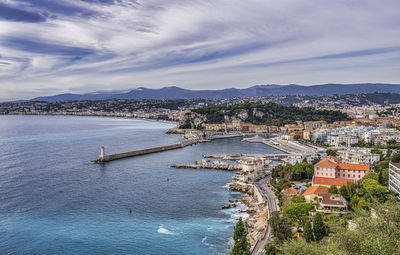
(53, 200)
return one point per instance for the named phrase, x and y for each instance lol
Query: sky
(51, 47)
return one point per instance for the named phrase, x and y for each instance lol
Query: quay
(106, 158)
(103, 158)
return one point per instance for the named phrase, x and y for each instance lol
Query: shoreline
(95, 116)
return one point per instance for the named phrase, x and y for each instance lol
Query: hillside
(258, 90)
(259, 113)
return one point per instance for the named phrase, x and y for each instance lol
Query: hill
(258, 90)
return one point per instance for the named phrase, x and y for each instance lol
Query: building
(290, 192)
(382, 135)
(332, 202)
(358, 156)
(312, 193)
(334, 168)
(394, 178)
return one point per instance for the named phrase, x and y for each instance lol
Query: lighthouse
(101, 157)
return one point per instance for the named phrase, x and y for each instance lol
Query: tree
(319, 227)
(298, 212)
(239, 230)
(301, 247)
(281, 228)
(396, 157)
(330, 152)
(298, 199)
(241, 246)
(296, 137)
(308, 234)
(333, 190)
(348, 190)
(271, 249)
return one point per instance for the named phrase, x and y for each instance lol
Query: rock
(227, 206)
(230, 201)
(234, 205)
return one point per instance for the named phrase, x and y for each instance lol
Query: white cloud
(201, 44)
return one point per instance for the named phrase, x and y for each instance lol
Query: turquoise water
(55, 201)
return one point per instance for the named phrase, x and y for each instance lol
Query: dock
(106, 158)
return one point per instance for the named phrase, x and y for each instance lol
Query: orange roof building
(290, 192)
(327, 182)
(312, 192)
(333, 168)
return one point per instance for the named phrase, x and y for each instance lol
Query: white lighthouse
(102, 154)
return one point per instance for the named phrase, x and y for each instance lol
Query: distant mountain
(258, 90)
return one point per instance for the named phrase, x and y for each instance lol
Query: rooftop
(316, 190)
(348, 166)
(331, 181)
(328, 162)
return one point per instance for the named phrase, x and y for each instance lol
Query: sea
(54, 200)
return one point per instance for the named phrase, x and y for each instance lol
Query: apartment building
(394, 178)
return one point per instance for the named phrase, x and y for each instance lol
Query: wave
(165, 231)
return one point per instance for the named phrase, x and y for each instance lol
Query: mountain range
(258, 90)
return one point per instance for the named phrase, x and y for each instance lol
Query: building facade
(394, 178)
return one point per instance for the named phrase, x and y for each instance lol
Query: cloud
(119, 44)
(15, 14)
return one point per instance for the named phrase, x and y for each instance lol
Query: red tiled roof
(290, 191)
(331, 199)
(316, 190)
(328, 162)
(331, 181)
(348, 166)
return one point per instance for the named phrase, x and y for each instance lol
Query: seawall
(107, 158)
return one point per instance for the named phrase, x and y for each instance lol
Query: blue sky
(62, 46)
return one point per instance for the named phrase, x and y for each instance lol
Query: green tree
(298, 212)
(239, 230)
(281, 228)
(298, 199)
(333, 190)
(296, 137)
(301, 247)
(396, 157)
(241, 247)
(271, 249)
(308, 234)
(330, 152)
(319, 227)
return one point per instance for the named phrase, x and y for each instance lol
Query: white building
(382, 135)
(394, 178)
(358, 156)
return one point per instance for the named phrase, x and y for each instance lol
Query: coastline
(93, 115)
(257, 210)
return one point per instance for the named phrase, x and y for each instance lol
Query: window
(358, 176)
(348, 175)
(354, 176)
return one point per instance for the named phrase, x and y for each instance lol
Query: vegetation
(308, 234)
(319, 228)
(298, 213)
(271, 249)
(333, 190)
(330, 152)
(267, 113)
(296, 172)
(280, 226)
(241, 246)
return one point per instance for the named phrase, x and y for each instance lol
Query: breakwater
(106, 158)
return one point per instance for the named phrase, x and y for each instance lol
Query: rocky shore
(257, 208)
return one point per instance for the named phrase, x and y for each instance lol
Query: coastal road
(263, 185)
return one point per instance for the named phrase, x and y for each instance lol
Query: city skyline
(49, 47)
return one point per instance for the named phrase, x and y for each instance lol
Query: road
(269, 195)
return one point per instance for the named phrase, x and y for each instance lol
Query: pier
(106, 158)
